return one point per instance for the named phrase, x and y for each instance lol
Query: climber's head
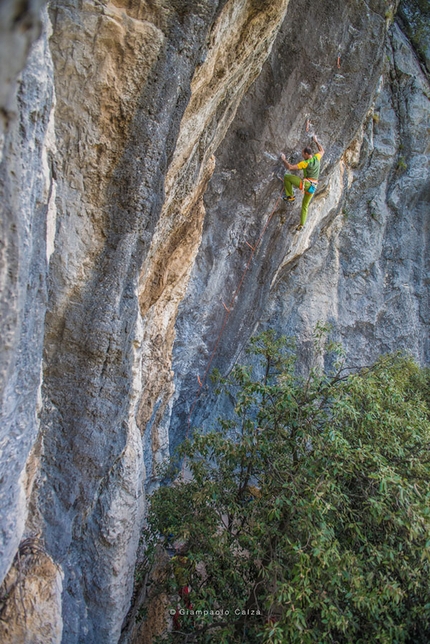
(307, 153)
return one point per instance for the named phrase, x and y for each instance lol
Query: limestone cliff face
(239, 44)
(139, 154)
(118, 81)
(26, 196)
(321, 76)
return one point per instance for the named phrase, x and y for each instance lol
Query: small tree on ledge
(307, 516)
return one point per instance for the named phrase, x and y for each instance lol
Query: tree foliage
(306, 517)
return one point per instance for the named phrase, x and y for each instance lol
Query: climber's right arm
(319, 146)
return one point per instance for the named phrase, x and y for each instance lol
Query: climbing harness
(228, 309)
(313, 185)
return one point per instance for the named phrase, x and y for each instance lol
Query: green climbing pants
(291, 180)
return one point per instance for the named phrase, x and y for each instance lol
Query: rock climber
(311, 170)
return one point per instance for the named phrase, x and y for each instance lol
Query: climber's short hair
(307, 150)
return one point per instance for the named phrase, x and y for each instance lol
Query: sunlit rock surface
(140, 146)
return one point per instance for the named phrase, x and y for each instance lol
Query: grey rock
(301, 83)
(20, 26)
(114, 145)
(415, 20)
(104, 225)
(25, 190)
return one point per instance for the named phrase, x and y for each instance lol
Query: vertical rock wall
(368, 270)
(25, 191)
(321, 76)
(122, 77)
(238, 46)
(138, 159)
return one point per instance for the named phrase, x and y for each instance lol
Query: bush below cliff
(305, 517)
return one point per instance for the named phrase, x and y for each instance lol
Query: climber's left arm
(289, 166)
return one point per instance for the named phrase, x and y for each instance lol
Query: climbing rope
(228, 310)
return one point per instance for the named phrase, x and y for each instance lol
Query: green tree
(305, 518)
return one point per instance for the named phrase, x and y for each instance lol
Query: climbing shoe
(299, 228)
(289, 198)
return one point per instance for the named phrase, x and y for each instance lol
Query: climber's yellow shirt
(311, 167)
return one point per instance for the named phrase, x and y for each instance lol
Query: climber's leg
(305, 205)
(291, 180)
